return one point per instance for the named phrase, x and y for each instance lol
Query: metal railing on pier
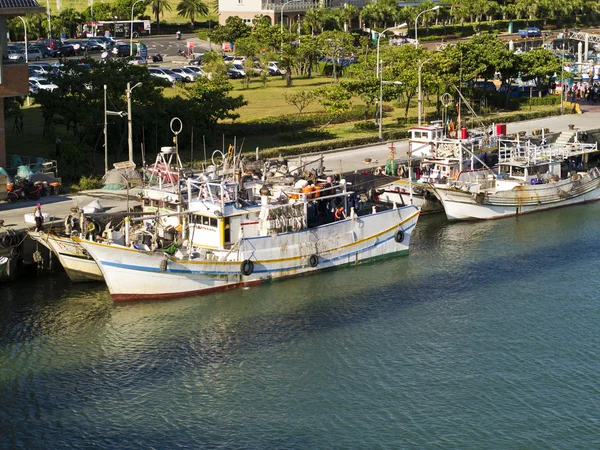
(528, 153)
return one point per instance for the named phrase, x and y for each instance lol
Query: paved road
(354, 160)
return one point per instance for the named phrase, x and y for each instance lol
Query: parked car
(239, 68)
(32, 55)
(234, 73)
(43, 84)
(33, 89)
(198, 71)
(138, 61)
(196, 61)
(65, 50)
(42, 48)
(186, 74)
(104, 42)
(165, 74)
(530, 32)
(123, 50)
(40, 68)
(51, 44)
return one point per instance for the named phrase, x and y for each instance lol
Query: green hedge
(331, 144)
(294, 122)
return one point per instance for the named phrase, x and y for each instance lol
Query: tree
(336, 100)
(309, 51)
(158, 9)
(234, 29)
(122, 8)
(335, 44)
(365, 84)
(190, 9)
(300, 99)
(209, 101)
(540, 64)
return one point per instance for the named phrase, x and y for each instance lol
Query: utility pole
(105, 135)
(129, 124)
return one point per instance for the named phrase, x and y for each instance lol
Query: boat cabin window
(204, 220)
(416, 134)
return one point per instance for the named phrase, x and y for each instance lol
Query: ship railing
(532, 154)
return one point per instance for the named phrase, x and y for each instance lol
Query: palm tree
(158, 9)
(192, 8)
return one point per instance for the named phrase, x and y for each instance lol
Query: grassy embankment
(262, 102)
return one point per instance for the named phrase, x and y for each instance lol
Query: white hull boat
(133, 274)
(78, 264)
(529, 180)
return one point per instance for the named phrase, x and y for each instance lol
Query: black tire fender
(247, 267)
(313, 261)
(399, 236)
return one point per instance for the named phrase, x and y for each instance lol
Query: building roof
(19, 7)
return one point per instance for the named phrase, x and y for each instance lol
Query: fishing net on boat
(117, 179)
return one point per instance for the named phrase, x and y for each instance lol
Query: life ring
(313, 261)
(247, 267)
(399, 236)
(5, 241)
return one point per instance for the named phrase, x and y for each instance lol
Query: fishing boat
(530, 177)
(439, 158)
(233, 241)
(78, 264)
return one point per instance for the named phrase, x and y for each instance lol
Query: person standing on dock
(39, 218)
(90, 229)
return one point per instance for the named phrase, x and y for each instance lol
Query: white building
(292, 10)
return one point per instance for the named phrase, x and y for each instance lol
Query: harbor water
(486, 336)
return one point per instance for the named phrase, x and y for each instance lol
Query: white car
(165, 74)
(33, 54)
(198, 71)
(42, 84)
(186, 74)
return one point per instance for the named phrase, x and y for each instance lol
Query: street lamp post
(26, 44)
(129, 124)
(435, 8)
(48, 14)
(106, 114)
(379, 37)
(380, 77)
(131, 28)
(420, 91)
(281, 20)
(562, 78)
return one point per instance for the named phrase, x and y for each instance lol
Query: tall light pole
(281, 21)
(379, 37)
(435, 8)
(26, 44)
(48, 13)
(562, 78)
(420, 91)
(106, 114)
(380, 77)
(129, 124)
(131, 28)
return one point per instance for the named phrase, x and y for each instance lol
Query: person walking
(39, 217)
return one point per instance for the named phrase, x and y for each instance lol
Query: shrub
(364, 126)
(88, 183)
